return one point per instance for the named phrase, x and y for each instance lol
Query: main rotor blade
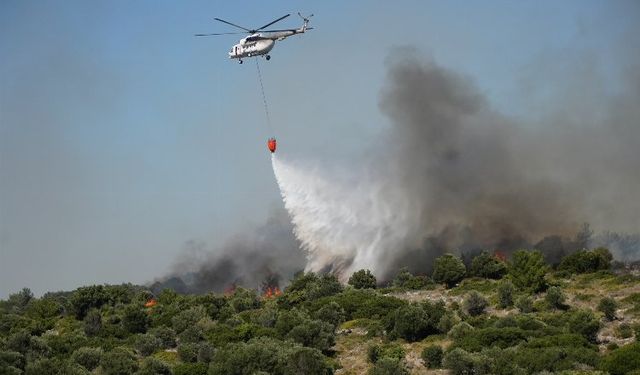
(232, 24)
(272, 22)
(212, 34)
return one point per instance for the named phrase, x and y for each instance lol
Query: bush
(527, 270)
(608, 307)
(45, 366)
(555, 298)
(314, 334)
(407, 280)
(488, 266)
(448, 269)
(505, 294)
(205, 352)
(461, 362)
(624, 331)
(389, 366)
(153, 366)
(524, 304)
(622, 360)
(447, 321)
(583, 322)
(187, 318)
(190, 369)
(147, 344)
(92, 323)
(307, 361)
(87, 298)
(166, 335)
(118, 362)
(416, 321)
(475, 303)
(460, 330)
(363, 279)
(584, 261)
(188, 352)
(192, 334)
(331, 313)
(88, 358)
(12, 359)
(374, 352)
(432, 356)
(135, 319)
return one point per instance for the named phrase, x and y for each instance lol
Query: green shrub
(527, 270)
(87, 357)
(146, 344)
(153, 366)
(448, 269)
(193, 334)
(188, 352)
(460, 330)
(622, 360)
(488, 266)
(624, 331)
(205, 352)
(585, 323)
(461, 362)
(187, 318)
(524, 304)
(405, 279)
(505, 294)
(12, 359)
(166, 335)
(374, 352)
(584, 261)
(447, 321)
(118, 361)
(135, 319)
(307, 361)
(92, 323)
(389, 366)
(190, 369)
(475, 304)
(416, 321)
(555, 298)
(87, 298)
(608, 307)
(432, 356)
(363, 279)
(331, 313)
(45, 366)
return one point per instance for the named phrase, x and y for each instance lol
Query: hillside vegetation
(491, 316)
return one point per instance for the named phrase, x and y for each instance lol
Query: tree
(146, 344)
(166, 335)
(389, 366)
(87, 298)
(524, 304)
(307, 361)
(188, 352)
(584, 322)
(135, 319)
(363, 279)
(411, 322)
(448, 269)
(505, 294)
(555, 298)
(585, 261)
(432, 356)
(331, 313)
(608, 307)
(623, 360)
(92, 323)
(583, 237)
(461, 362)
(475, 303)
(527, 270)
(119, 361)
(88, 358)
(488, 266)
(153, 366)
(19, 301)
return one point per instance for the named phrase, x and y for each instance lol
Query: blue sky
(122, 136)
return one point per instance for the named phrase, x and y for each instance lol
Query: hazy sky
(122, 136)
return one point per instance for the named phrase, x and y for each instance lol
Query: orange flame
(272, 292)
(500, 255)
(150, 303)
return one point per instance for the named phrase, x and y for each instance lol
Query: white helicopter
(260, 43)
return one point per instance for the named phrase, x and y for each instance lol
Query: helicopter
(259, 41)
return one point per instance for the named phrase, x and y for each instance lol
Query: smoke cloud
(449, 174)
(453, 174)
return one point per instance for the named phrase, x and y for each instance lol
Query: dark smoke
(472, 179)
(266, 254)
(483, 181)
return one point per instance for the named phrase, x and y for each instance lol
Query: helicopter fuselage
(260, 43)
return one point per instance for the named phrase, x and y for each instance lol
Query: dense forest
(488, 315)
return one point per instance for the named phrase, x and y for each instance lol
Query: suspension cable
(264, 97)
